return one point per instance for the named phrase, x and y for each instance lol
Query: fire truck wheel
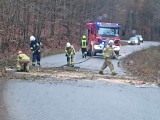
(88, 53)
(93, 53)
(117, 52)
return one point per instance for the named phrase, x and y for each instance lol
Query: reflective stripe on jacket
(83, 43)
(36, 46)
(70, 50)
(108, 52)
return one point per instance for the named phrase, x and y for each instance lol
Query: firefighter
(84, 46)
(108, 52)
(35, 46)
(22, 62)
(70, 52)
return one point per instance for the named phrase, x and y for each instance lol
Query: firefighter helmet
(32, 38)
(84, 36)
(19, 52)
(68, 44)
(111, 42)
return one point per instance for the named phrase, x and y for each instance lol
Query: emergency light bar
(99, 24)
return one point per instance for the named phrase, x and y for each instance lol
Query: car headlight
(136, 41)
(98, 47)
(117, 48)
(129, 41)
(141, 38)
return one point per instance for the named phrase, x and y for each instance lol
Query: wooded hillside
(57, 21)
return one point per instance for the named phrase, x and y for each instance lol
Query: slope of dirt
(144, 64)
(69, 73)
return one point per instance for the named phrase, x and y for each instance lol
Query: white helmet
(32, 38)
(111, 42)
(68, 44)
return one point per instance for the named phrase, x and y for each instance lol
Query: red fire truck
(98, 36)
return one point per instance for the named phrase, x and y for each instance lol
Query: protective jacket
(23, 62)
(108, 52)
(70, 50)
(23, 58)
(83, 43)
(35, 46)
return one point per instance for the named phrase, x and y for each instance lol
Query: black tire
(117, 52)
(93, 53)
(142, 41)
(88, 53)
(139, 42)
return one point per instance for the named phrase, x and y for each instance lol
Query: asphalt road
(80, 100)
(96, 62)
(50, 99)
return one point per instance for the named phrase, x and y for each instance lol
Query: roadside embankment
(144, 64)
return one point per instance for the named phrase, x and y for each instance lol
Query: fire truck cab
(98, 36)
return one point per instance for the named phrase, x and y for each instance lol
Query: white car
(134, 41)
(139, 37)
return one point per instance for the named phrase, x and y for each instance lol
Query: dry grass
(145, 64)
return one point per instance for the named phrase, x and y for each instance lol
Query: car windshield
(133, 38)
(104, 32)
(140, 36)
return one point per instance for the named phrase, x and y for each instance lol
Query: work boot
(101, 72)
(19, 71)
(71, 65)
(38, 64)
(68, 64)
(26, 69)
(33, 64)
(82, 56)
(114, 73)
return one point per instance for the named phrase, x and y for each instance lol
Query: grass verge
(144, 64)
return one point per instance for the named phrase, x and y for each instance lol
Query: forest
(57, 21)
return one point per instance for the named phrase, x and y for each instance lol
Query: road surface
(96, 62)
(51, 99)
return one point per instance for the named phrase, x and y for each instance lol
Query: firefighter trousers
(84, 52)
(108, 63)
(23, 66)
(70, 60)
(36, 57)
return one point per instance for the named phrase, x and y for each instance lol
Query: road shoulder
(3, 109)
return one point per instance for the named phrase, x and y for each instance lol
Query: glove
(116, 57)
(66, 54)
(72, 53)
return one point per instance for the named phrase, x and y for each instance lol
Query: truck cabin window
(104, 32)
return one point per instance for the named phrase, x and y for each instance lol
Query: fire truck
(99, 34)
